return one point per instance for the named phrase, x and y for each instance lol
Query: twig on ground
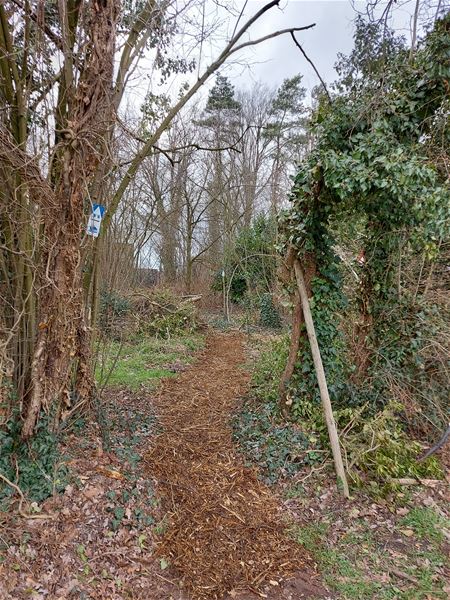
(22, 500)
(404, 576)
(314, 470)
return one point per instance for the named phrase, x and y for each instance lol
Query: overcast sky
(276, 59)
(279, 58)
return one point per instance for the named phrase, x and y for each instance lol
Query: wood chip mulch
(226, 530)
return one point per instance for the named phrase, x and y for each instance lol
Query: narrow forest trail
(226, 534)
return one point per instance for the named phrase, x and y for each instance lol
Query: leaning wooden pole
(328, 411)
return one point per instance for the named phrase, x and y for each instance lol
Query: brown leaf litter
(227, 532)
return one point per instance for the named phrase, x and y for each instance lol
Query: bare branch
(209, 149)
(313, 66)
(20, 162)
(269, 36)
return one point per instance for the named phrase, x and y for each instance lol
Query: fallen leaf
(402, 511)
(111, 473)
(92, 492)
(407, 532)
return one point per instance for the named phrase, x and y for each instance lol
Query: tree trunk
(297, 320)
(62, 333)
(168, 245)
(188, 259)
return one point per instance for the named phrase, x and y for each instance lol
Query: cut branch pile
(161, 313)
(226, 532)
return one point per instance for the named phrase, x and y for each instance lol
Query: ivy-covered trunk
(62, 347)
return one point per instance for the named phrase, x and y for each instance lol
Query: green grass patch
(358, 564)
(311, 536)
(426, 523)
(145, 360)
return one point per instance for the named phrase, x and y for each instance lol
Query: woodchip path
(226, 534)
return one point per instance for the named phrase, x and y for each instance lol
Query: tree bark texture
(297, 321)
(62, 334)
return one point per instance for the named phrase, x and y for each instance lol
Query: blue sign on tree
(95, 219)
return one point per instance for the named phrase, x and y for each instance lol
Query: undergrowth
(162, 314)
(364, 562)
(377, 451)
(130, 424)
(279, 448)
(37, 466)
(269, 315)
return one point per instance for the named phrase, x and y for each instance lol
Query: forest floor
(172, 511)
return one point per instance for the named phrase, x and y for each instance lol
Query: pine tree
(221, 96)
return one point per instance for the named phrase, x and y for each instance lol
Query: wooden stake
(321, 379)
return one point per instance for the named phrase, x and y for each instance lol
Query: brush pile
(162, 314)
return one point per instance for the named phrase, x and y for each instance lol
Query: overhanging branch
(313, 66)
(269, 36)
